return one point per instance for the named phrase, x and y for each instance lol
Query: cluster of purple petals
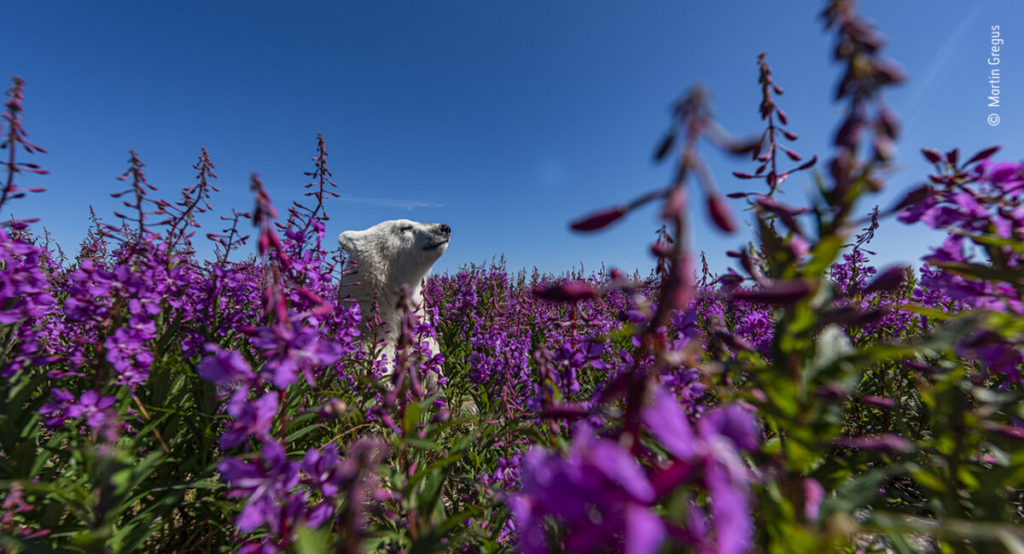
(602, 495)
(282, 494)
(511, 333)
(25, 299)
(985, 200)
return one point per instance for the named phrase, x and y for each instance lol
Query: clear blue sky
(503, 119)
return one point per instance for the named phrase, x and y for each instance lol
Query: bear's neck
(387, 294)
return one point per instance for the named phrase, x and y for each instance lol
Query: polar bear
(388, 256)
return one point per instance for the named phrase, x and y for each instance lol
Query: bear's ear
(347, 240)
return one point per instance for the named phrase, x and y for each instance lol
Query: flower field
(805, 401)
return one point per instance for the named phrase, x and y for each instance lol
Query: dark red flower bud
(664, 147)
(933, 155)
(882, 443)
(730, 279)
(721, 214)
(952, 156)
(564, 412)
(890, 279)
(661, 249)
(807, 165)
(890, 123)
(742, 175)
(743, 147)
(774, 206)
(1006, 431)
(831, 392)
(565, 292)
(918, 365)
(782, 116)
(790, 135)
(734, 341)
(599, 220)
(312, 297)
(983, 155)
(890, 72)
(779, 293)
(878, 401)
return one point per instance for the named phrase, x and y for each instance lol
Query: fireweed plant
(805, 401)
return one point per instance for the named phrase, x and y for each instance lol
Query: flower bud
(779, 293)
(890, 279)
(932, 155)
(721, 214)
(599, 220)
(984, 154)
(334, 409)
(566, 292)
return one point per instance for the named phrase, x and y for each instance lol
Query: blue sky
(503, 119)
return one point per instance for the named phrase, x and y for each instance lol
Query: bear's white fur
(387, 256)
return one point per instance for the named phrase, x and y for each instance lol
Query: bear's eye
(405, 228)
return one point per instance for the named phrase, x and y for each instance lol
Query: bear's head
(396, 252)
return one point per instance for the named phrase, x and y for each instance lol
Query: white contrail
(393, 203)
(952, 49)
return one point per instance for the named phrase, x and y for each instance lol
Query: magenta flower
(735, 423)
(91, 407)
(55, 411)
(293, 348)
(266, 484)
(714, 450)
(225, 367)
(251, 419)
(668, 423)
(600, 495)
(128, 353)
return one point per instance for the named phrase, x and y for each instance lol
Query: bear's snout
(445, 230)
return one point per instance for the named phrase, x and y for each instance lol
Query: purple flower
(293, 348)
(730, 506)
(323, 469)
(735, 423)
(1007, 176)
(92, 408)
(668, 423)
(251, 419)
(814, 495)
(599, 494)
(128, 353)
(266, 484)
(714, 450)
(228, 368)
(55, 410)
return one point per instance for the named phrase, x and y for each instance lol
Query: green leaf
(984, 272)
(859, 491)
(312, 541)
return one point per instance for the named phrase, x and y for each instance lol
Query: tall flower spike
(15, 135)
